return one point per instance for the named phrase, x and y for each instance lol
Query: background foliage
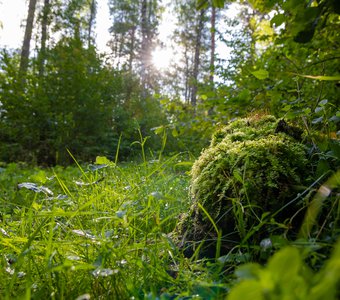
(283, 60)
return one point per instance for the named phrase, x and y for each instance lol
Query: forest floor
(101, 231)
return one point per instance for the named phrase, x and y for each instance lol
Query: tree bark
(212, 45)
(144, 46)
(44, 24)
(132, 47)
(25, 51)
(93, 12)
(198, 45)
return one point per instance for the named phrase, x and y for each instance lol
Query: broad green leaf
(260, 74)
(323, 102)
(317, 120)
(218, 3)
(318, 109)
(158, 130)
(286, 107)
(40, 177)
(323, 166)
(307, 111)
(36, 206)
(102, 160)
(285, 264)
(175, 132)
(264, 32)
(248, 289)
(248, 271)
(200, 4)
(278, 19)
(327, 279)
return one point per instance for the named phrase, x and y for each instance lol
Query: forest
(200, 165)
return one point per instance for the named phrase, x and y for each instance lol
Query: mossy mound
(252, 169)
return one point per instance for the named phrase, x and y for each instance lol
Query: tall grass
(104, 234)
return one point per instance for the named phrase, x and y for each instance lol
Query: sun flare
(162, 58)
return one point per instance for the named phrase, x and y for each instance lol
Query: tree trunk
(212, 45)
(212, 52)
(132, 47)
(44, 24)
(93, 12)
(144, 46)
(25, 51)
(187, 75)
(197, 57)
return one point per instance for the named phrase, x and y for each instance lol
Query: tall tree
(145, 52)
(25, 50)
(125, 42)
(212, 45)
(148, 27)
(134, 31)
(93, 11)
(192, 43)
(198, 44)
(44, 25)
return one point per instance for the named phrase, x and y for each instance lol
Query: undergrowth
(103, 231)
(99, 230)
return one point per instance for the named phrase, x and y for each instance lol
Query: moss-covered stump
(241, 185)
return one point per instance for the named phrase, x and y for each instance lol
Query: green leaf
(323, 102)
(325, 78)
(249, 289)
(317, 120)
(307, 111)
(36, 206)
(286, 107)
(305, 36)
(278, 19)
(244, 95)
(158, 130)
(322, 168)
(248, 271)
(318, 109)
(204, 97)
(40, 177)
(200, 4)
(237, 176)
(218, 3)
(184, 163)
(204, 3)
(175, 132)
(260, 74)
(285, 264)
(102, 160)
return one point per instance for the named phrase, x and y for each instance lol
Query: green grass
(105, 234)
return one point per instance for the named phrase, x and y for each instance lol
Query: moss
(250, 168)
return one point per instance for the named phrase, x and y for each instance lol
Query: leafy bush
(286, 276)
(79, 104)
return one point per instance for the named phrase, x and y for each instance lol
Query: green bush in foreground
(286, 276)
(246, 179)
